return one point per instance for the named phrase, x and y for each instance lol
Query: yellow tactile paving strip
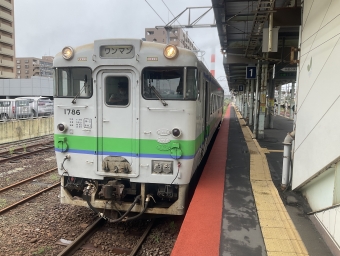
(279, 233)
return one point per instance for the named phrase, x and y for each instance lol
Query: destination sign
(289, 69)
(284, 72)
(117, 51)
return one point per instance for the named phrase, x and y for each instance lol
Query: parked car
(14, 108)
(22, 108)
(7, 109)
(41, 106)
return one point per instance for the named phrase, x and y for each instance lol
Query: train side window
(191, 88)
(206, 98)
(213, 103)
(216, 103)
(117, 91)
(199, 82)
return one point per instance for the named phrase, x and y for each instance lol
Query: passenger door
(118, 127)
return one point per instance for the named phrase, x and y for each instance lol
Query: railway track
(25, 152)
(95, 227)
(2, 190)
(18, 144)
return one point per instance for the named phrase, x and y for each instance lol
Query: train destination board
(117, 51)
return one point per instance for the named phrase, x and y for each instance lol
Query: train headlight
(170, 51)
(62, 127)
(67, 52)
(176, 132)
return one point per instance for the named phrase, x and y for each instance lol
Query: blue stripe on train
(90, 152)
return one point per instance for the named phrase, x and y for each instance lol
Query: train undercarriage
(113, 198)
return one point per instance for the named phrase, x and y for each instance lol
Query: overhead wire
(180, 25)
(155, 11)
(226, 22)
(161, 17)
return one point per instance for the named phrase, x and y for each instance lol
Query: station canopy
(243, 29)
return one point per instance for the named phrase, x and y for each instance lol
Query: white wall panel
(324, 183)
(319, 148)
(330, 219)
(317, 141)
(318, 99)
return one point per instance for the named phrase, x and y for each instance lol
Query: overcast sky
(44, 27)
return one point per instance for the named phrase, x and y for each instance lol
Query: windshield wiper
(80, 91)
(158, 95)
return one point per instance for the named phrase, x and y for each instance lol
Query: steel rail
(140, 241)
(20, 142)
(26, 154)
(28, 198)
(81, 239)
(4, 150)
(28, 179)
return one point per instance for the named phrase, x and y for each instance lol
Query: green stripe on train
(88, 143)
(106, 144)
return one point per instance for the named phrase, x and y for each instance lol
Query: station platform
(239, 208)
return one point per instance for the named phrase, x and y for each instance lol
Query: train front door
(118, 147)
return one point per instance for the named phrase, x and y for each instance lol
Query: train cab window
(169, 83)
(73, 82)
(117, 91)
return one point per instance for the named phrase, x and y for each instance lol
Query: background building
(30, 66)
(7, 42)
(177, 37)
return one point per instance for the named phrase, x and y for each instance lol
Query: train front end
(129, 126)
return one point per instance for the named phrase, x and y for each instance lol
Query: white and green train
(133, 120)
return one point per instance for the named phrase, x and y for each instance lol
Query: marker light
(176, 132)
(67, 52)
(62, 127)
(170, 51)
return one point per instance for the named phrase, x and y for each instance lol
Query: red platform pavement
(201, 229)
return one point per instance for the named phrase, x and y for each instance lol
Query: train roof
(145, 53)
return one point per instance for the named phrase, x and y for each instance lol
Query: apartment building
(30, 66)
(7, 40)
(176, 37)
